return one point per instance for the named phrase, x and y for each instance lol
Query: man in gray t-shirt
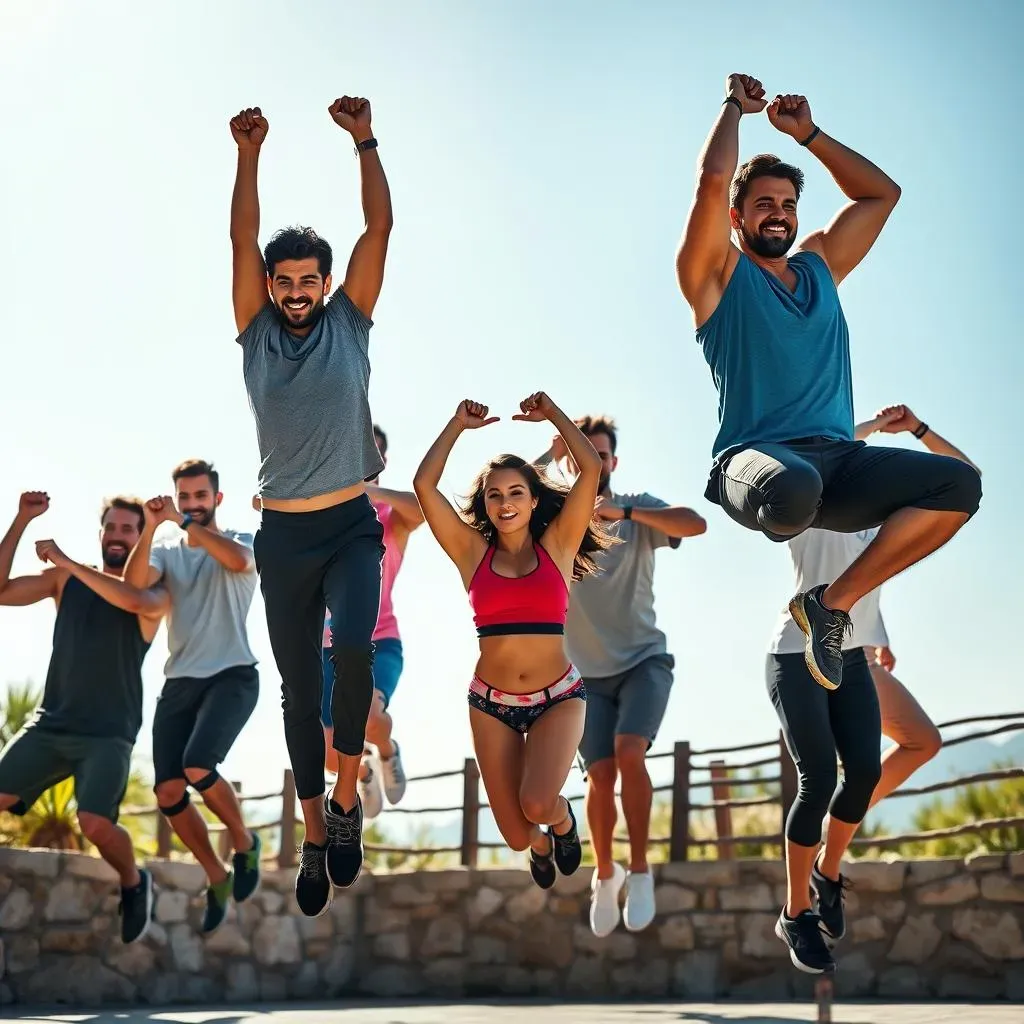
(212, 684)
(614, 640)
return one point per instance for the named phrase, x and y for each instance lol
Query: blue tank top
(779, 359)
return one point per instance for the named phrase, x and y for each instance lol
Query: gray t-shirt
(209, 605)
(611, 624)
(309, 397)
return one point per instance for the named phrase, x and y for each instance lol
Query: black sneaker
(312, 886)
(217, 897)
(568, 849)
(542, 867)
(824, 629)
(344, 842)
(830, 904)
(807, 947)
(247, 870)
(136, 908)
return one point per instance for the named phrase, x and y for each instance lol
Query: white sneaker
(370, 792)
(604, 902)
(393, 775)
(639, 909)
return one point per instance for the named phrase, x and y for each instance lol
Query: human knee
(601, 775)
(171, 797)
(790, 501)
(353, 661)
(202, 779)
(859, 782)
(516, 838)
(964, 487)
(631, 756)
(95, 828)
(538, 807)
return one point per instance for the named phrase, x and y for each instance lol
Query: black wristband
(186, 521)
(732, 99)
(922, 429)
(627, 511)
(810, 138)
(362, 147)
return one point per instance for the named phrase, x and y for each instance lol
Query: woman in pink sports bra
(518, 544)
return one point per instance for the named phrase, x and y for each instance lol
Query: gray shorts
(631, 703)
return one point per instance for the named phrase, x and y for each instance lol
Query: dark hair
(298, 244)
(127, 502)
(197, 467)
(591, 425)
(550, 499)
(383, 438)
(764, 165)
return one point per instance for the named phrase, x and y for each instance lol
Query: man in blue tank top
(91, 709)
(773, 333)
(306, 365)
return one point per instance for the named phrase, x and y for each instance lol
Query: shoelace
(808, 930)
(311, 863)
(836, 891)
(342, 829)
(837, 629)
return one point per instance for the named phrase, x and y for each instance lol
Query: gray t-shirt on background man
(309, 399)
(209, 605)
(611, 625)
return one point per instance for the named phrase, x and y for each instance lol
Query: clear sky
(541, 160)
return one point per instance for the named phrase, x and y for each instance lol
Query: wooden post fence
(470, 813)
(679, 841)
(286, 855)
(789, 785)
(720, 790)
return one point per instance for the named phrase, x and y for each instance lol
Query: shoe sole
(150, 902)
(605, 934)
(639, 927)
(796, 609)
(797, 962)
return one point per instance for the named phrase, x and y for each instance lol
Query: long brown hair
(550, 499)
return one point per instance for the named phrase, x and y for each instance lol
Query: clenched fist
(32, 504)
(748, 90)
(48, 551)
(791, 115)
(353, 114)
(161, 510)
(472, 414)
(249, 128)
(535, 408)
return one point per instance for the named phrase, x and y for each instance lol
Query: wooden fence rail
(722, 778)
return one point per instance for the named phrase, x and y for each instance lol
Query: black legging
(817, 724)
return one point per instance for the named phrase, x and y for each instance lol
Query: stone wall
(946, 928)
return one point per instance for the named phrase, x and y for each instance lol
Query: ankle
(215, 876)
(243, 841)
(828, 867)
(386, 750)
(130, 879)
(639, 867)
(794, 909)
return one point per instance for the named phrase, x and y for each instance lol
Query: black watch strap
(627, 511)
(362, 147)
(186, 521)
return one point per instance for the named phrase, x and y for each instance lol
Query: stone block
(768, 988)
(16, 910)
(916, 941)
(6, 995)
(276, 941)
(22, 952)
(759, 939)
(483, 949)
(966, 986)
(337, 967)
(71, 899)
(747, 897)
(485, 901)
(867, 929)
(172, 906)
(37, 863)
(543, 948)
(958, 958)
(228, 940)
(676, 932)
(6, 884)
(996, 933)
(875, 875)
(186, 948)
(979, 862)
(270, 902)
(134, 961)
(404, 893)
(649, 979)
(670, 899)
(696, 975)
(948, 891)
(179, 874)
(69, 939)
(575, 884)
(445, 977)
(932, 869)
(771, 871)
(901, 983)
(1015, 983)
(1015, 864)
(700, 874)
(565, 906)
(306, 983)
(1002, 889)
(713, 929)
(273, 987)
(450, 880)
(316, 928)
(379, 919)
(392, 946)
(157, 934)
(392, 981)
(78, 980)
(81, 865)
(344, 913)
(588, 978)
(526, 904)
(507, 878)
(856, 977)
(444, 936)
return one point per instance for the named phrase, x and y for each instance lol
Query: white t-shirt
(821, 556)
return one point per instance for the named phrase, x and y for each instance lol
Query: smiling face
(198, 497)
(767, 219)
(297, 289)
(119, 533)
(507, 500)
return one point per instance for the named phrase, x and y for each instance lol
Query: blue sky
(541, 159)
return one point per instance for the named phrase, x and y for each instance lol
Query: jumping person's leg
(643, 699)
(388, 662)
(917, 740)
(331, 763)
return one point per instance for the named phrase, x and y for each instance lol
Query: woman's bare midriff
(314, 504)
(521, 664)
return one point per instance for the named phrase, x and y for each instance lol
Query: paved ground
(541, 1013)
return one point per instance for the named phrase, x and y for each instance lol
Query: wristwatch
(627, 511)
(186, 521)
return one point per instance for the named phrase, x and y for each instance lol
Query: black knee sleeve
(208, 780)
(174, 809)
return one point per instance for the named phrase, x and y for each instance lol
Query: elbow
(892, 193)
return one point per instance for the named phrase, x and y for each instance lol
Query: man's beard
(769, 246)
(202, 516)
(604, 483)
(309, 320)
(115, 559)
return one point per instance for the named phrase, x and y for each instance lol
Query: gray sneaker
(824, 630)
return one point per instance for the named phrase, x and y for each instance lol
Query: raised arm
(249, 274)
(365, 274)
(151, 603)
(229, 553)
(463, 545)
(852, 232)
(24, 590)
(403, 504)
(896, 419)
(137, 570)
(703, 255)
(568, 528)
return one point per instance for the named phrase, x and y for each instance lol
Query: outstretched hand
(473, 415)
(535, 408)
(791, 115)
(895, 419)
(748, 90)
(352, 113)
(249, 128)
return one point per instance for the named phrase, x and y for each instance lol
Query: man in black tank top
(91, 711)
